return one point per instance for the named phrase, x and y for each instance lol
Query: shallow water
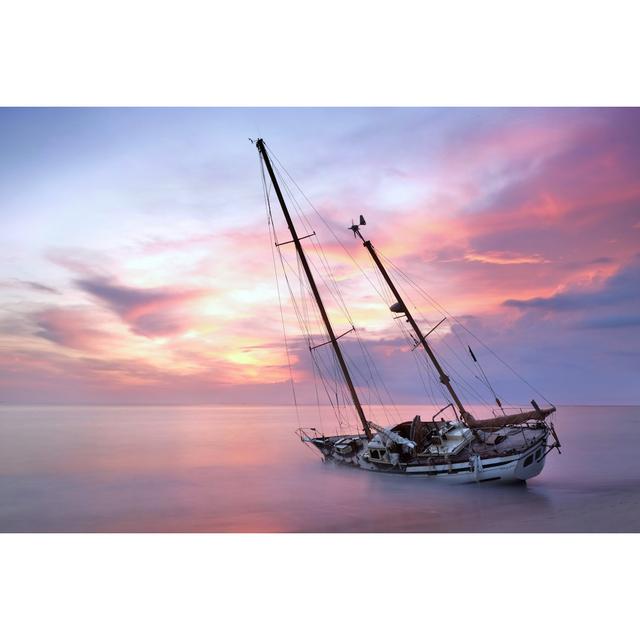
(144, 469)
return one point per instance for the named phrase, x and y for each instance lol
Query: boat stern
(532, 463)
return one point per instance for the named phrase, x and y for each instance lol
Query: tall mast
(401, 307)
(314, 289)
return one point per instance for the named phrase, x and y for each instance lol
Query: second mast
(402, 308)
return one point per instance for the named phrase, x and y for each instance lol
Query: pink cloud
(73, 328)
(504, 257)
(522, 206)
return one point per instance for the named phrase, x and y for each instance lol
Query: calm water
(242, 469)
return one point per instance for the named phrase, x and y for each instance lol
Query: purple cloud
(147, 312)
(623, 288)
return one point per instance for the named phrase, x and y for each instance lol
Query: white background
(312, 53)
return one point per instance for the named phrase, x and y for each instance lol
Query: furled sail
(493, 424)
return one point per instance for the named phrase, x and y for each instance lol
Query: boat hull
(515, 468)
(511, 470)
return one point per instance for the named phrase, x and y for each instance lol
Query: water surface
(240, 469)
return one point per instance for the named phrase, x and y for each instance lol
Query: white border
(329, 53)
(313, 586)
(335, 52)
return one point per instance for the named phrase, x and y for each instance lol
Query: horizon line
(231, 404)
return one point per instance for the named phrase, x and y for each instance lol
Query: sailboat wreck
(507, 447)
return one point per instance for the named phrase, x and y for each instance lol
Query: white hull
(518, 467)
(512, 469)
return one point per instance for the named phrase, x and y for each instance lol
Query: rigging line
(435, 303)
(303, 288)
(275, 269)
(331, 281)
(367, 375)
(333, 373)
(443, 342)
(432, 391)
(329, 395)
(428, 392)
(399, 323)
(374, 376)
(286, 343)
(304, 321)
(330, 276)
(462, 361)
(468, 392)
(422, 380)
(495, 395)
(462, 345)
(457, 377)
(335, 236)
(284, 185)
(334, 376)
(315, 386)
(303, 293)
(423, 357)
(384, 386)
(386, 302)
(433, 376)
(460, 381)
(336, 293)
(328, 375)
(409, 339)
(358, 371)
(324, 366)
(419, 359)
(307, 332)
(332, 285)
(385, 292)
(374, 390)
(369, 361)
(326, 224)
(484, 380)
(301, 320)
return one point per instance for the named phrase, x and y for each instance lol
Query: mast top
(356, 228)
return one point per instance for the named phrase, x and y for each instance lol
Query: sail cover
(492, 424)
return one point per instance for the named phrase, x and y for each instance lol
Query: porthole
(528, 460)
(538, 454)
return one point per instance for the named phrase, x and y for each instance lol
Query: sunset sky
(136, 265)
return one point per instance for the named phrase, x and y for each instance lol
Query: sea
(243, 469)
